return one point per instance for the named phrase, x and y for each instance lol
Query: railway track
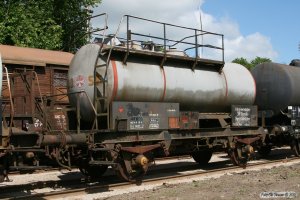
(87, 187)
(17, 172)
(50, 169)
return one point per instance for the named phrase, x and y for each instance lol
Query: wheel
(202, 157)
(2, 175)
(93, 171)
(4, 168)
(237, 159)
(264, 151)
(131, 167)
(132, 176)
(295, 146)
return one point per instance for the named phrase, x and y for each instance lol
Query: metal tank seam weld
(115, 74)
(254, 87)
(226, 94)
(165, 84)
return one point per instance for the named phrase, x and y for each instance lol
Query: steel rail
(53, 169)
(102, 188)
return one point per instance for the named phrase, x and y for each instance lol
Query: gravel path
(246, 185)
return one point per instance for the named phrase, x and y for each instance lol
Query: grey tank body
(278, 86)
(143, 80)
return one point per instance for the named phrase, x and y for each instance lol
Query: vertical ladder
(103, 100)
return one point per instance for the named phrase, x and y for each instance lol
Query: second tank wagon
(277, 96)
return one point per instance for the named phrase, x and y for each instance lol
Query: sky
(251, 28)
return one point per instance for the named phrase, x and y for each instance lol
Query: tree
(48, 24)
(28, 23)
(72, 16)
(252, 63)
(242, 61)
(259, 60)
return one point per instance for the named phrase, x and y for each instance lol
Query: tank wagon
(134, 97)
(278, 100)
(147, 103)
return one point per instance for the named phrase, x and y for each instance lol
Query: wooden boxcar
(32, 74)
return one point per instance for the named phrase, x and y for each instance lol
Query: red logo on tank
(121, 109)
(79, 81)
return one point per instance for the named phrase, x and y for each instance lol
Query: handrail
(204, 45)
(158, 22)
(102, 29)
(69, 93)
(196, 34)
(112, 45)
(187, 37)
(88, 32)
(105, 22)
(77, 104)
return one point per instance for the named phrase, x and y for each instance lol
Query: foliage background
(47, 24)
(250, 64)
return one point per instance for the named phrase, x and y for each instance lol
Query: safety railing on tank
(90, 31)
(104, 28)
(184, 41)
(97, 30)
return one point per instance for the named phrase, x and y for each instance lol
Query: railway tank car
(145, 81)
(278, 98)
(137, 100)
(277, 95)
(157, 103)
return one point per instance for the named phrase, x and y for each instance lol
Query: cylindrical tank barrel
(144, 80)
(277, 86)
(295, 62)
